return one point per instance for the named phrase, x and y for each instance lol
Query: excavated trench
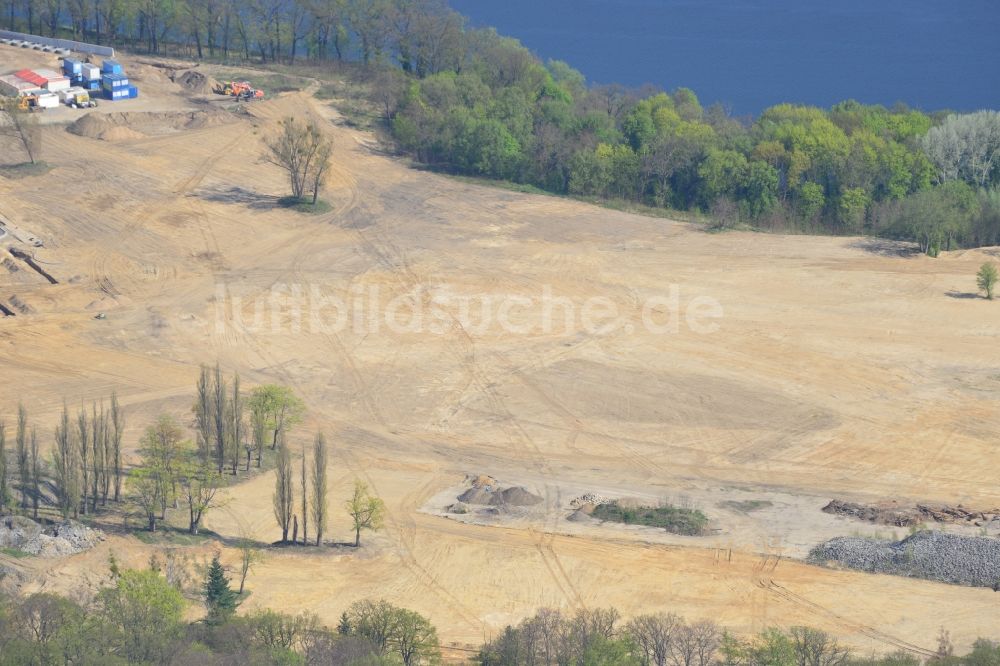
(28, 259)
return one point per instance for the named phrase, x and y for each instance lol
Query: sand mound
(146, 74)
(486, 490)
(91, 126)
(516, 496)
(477, 496)
(97, 125)
(121, 134)
(198, 83)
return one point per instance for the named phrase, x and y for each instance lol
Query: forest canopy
(470, 101)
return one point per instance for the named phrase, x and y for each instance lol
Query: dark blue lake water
(751, 54)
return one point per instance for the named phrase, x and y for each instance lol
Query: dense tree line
(474, 102)
(139, 617)
(852, 169)
(599, 637)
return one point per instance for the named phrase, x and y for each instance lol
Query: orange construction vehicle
(242, 90)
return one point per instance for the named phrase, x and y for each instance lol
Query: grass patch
(611, 204)
(305, 205)
(746, 506)
(272, 83)
(14, 552)
(690, 522)
(24, 170)
(173, 536)
(328, 91)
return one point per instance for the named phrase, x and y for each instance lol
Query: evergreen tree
(220, 599)
(344, 628)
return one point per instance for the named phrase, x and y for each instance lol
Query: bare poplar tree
(305, 496)
(107, 462)
(97, 453)
(319, 486)
(203, 414)
(302, 151)
(66, 466)
(23, 456)
(83, 432)
(238, 428)
(117, 431)
(219, 416)
(283, 491)
(22, 129)
(36, 474)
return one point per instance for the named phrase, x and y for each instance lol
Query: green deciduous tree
(143, 614)
(199, 484)
(365, 509)
(250, 556)
(277, 407)
(986, 279)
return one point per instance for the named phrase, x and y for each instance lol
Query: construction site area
(816, 399)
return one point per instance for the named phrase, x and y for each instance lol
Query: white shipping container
(48, 101)
(91, 72)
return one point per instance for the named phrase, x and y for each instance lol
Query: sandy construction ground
(837, 367)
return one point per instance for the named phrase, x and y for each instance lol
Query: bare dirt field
(838, 368)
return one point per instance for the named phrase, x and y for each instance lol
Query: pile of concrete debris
(948, 558)
(55, 540)
(591, 499)
(892, 513)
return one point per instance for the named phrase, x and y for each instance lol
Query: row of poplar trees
(84, 469)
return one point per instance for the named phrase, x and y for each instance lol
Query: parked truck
(77, 98)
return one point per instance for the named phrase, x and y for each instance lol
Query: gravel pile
(949, 558)
(590, 498)
(56, 540)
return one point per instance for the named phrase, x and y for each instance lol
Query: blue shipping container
(72, 67)
(133, 92)
(114, 81)
(111, 67)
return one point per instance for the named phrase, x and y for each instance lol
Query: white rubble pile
(56, 540)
